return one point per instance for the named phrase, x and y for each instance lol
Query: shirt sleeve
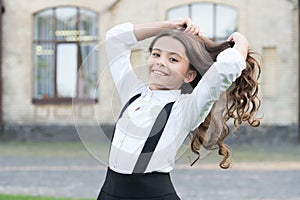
(196, 106)
(119, 41)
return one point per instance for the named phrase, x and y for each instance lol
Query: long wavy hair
(241, 99)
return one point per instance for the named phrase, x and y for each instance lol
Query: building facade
(54, 70)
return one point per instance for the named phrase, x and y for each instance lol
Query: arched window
(63, 68)
(216, 21)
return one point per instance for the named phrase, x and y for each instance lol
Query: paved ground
(83, 177)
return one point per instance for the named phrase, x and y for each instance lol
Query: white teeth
(159, 73)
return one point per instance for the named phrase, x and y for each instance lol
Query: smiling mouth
(159, 73)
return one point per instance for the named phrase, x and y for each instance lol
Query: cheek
(182, 70)
(150, 62)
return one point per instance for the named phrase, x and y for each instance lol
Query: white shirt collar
(169, 95)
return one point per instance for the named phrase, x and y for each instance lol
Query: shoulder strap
(152, 140)
(128, 103)
(111, 137)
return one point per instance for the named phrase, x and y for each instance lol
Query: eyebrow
(157, 49)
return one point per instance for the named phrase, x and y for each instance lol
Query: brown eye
(173, 60)
(155, 54)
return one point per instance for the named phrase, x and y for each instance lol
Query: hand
(240, 43)
(238, 37)
(142, 31)
(186, 25)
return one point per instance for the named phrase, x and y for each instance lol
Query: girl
(157, 117)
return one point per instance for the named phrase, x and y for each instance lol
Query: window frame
(54, 42)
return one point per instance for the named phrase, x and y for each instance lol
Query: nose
(161, 62)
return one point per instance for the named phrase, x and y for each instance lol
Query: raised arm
(144, 31)
(220, 76)
(119, 41)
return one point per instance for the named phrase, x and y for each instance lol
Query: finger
(189, 24)
(192, 29)
(188, 21)
(197, 30)
(230, 38)
(188, 28)
(200, 33)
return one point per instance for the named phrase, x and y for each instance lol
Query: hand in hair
(143, 31)
(186, 25)
(241, 43)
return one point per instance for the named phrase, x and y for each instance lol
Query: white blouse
(188, 112)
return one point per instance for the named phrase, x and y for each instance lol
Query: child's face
(168, 65)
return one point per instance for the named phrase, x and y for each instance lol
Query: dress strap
(153, 138)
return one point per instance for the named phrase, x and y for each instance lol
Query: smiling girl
(157, 117)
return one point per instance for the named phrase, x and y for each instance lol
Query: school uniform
(154, 123)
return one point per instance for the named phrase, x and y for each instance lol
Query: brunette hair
(241, 99)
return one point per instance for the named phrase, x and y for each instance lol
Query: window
(63, 66)
(216, 21)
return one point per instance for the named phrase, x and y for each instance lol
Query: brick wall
(271, 27)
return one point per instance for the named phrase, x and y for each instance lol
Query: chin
(160, 86)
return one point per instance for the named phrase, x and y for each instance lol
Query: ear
(190, 76)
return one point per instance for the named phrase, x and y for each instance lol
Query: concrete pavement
(83, 177)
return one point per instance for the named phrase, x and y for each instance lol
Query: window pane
(66, 69)
(87, 75)
(88, 25)
(182, 11)
(226, 22)
(66, 19)
(43, 71)
(202, 15)
(43, 24)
